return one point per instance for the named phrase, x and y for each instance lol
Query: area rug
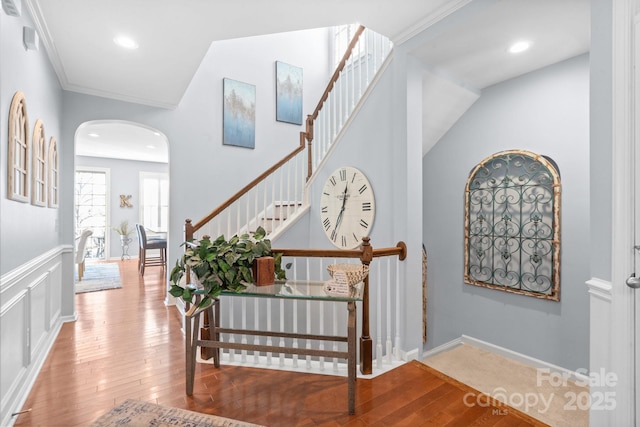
(136, 413)
(98, 277)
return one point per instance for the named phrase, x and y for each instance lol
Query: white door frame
(635, 176)
(623, 140)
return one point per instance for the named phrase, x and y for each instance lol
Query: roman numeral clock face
(347, 207)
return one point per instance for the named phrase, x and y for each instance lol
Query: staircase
(278, 197)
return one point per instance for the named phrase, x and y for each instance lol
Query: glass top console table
(290, 289)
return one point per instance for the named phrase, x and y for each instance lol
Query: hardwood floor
(127, 344)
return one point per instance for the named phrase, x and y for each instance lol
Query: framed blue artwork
(288, 93)
(239, 114)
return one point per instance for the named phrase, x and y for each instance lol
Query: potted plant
(124, 231)
(221, 264)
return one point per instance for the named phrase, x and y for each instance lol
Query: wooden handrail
(336, 73)
(308, 135)
(400, 249)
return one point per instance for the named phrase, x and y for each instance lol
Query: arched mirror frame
(39, 167)
(512, 224)
(18, 166)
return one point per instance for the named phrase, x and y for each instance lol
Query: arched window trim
(39, 166)
(479, 244)
(53, 174)
(18, 165)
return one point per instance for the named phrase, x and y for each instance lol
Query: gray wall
(22, 224)
(33, 262)
(602, 114)
(124, 179)
(547, 112)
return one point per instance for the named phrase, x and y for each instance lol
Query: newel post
(308, 135)
(188, 236)
(366, 343)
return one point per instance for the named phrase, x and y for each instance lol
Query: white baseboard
(444, 347)
(510, 354)
(411, 355)
(527, 360)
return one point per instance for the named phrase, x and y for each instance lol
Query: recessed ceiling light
(520, 46)
(126, 42)
(93, 135)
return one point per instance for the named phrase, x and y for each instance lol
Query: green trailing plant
(221, 264)
(123, 229)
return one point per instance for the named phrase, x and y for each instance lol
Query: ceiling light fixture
(520, 46)
(126, 42)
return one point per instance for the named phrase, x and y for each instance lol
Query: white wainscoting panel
(14, 352)
(600, 342)
(30, 319)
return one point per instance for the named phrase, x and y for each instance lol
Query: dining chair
(146, 243)
(81, 251)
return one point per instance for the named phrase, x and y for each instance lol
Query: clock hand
(344, 201)
(339, 219)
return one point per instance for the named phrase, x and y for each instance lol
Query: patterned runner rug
(143, 414)
(98, 277)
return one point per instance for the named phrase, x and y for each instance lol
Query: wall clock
(347, 207)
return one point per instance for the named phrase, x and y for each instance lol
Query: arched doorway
(121, 178)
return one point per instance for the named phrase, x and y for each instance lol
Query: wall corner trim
(599, 288)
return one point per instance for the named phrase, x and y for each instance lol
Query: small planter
(263, 269)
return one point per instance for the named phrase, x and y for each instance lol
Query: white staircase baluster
(247, 221)
(232, 339)
(264, 207)
(281, 199)
(281, 343)
(308, 314)
(244, 326)
(288, 200)
(335, 333)
(295, 321)
(379, 314)
(398, 343)
(321, 320)
(256, 323)
(256, 204)
(269, 328)
(272, 214)
(389, 296)
(297, 199)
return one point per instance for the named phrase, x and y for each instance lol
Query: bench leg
(191, 336)
(351, 361)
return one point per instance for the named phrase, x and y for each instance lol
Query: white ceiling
(173, 37)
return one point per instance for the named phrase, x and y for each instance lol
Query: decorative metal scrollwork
(512, 224)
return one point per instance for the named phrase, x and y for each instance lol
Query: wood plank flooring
(127, 344)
